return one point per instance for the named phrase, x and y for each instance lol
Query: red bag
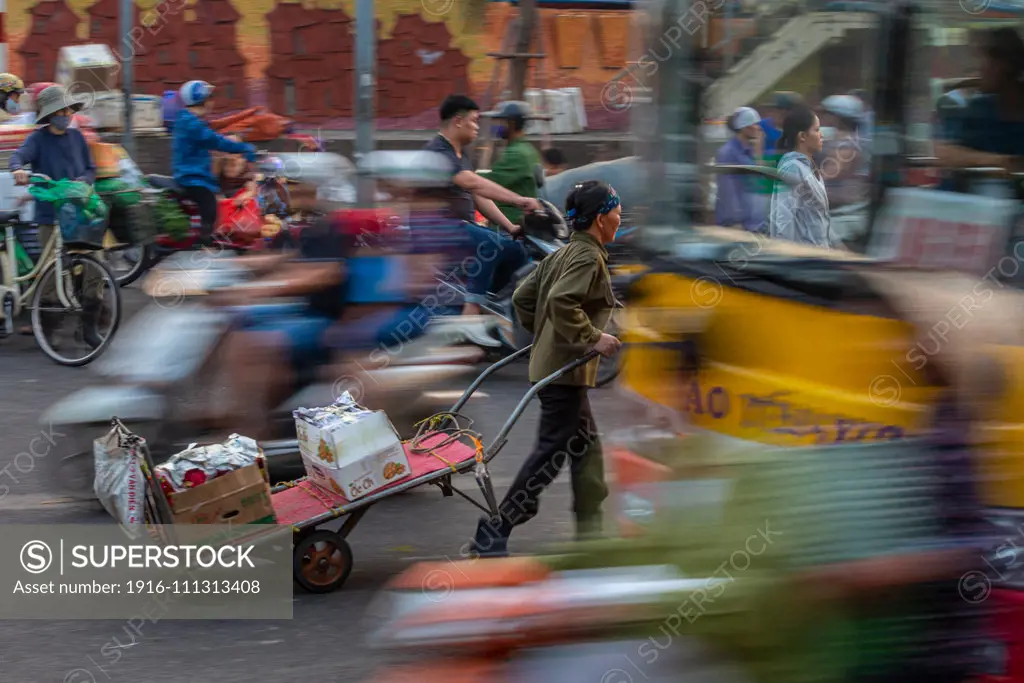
(243, 224)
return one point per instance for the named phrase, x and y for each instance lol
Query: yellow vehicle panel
(786, 372)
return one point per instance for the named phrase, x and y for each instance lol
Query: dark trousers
(206, 202)
(567, 433)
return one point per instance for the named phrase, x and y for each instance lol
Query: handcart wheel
(321, 561)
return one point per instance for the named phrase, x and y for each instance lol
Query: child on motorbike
(192, 143)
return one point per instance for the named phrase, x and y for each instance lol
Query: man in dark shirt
(460, 124)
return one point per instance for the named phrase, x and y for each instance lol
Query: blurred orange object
(256, 124)
(469, 574)
(440, 671)
(635, 481)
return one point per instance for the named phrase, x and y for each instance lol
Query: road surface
(325, 640)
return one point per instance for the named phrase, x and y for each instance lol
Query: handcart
(322, 559)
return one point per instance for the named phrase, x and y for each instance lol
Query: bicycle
(63, 267)
(135, 244)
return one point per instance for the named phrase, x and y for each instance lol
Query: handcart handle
(502, 436)
(487, 373)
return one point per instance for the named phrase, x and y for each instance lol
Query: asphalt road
(325, 641)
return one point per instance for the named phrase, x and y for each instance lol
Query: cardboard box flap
(956, 317)
(220, 488)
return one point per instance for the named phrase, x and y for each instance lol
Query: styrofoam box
(87, 69)
(108, 111)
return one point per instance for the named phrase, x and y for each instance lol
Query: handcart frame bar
(502, 438)
(443, 477)
(508, 360)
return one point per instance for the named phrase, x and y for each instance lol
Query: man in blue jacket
(193, 141)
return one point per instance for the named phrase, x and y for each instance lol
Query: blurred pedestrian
(565, 303)
(554, 161)
(516, 170)
(737, 201)
(846, 157)
(799, 208)
(775, 111)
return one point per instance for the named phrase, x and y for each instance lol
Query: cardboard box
(352, 457)
(87, 69)
(241, 497)
(107, 111)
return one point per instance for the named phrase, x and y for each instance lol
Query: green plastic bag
(81, 213)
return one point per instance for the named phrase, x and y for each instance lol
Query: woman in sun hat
(62, 153)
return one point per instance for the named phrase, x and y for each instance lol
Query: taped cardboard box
(239, 497)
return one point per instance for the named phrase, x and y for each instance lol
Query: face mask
(60, 122)
(500, 131)
(11, 106)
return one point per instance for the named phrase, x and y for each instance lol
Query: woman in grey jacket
(799, 210)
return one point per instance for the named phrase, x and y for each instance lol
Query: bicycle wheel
(96, 321)
(127, 263)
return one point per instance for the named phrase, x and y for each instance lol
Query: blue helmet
(195, 92)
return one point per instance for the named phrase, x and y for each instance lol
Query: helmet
(9, 83)
(514, 112)
(195, 92)
(844, 106)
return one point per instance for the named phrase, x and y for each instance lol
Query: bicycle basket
(81, 214)
(133, 224)
(80, 228)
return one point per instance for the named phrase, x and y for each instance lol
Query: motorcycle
(162, 378)
(328, 173)
(502, 334)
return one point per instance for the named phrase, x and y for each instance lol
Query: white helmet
(195, 92)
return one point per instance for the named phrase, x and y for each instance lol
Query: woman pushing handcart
(444, 446)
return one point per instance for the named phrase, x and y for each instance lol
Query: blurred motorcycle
(162, 378)
(502, 334)
(516, 620)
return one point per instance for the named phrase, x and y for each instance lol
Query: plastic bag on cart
(119, 483)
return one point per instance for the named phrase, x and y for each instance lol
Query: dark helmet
(516, 113)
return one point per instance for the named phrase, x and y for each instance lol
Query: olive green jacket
(566, 302)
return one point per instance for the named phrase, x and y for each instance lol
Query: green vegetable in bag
(107, 186)
(172, 221)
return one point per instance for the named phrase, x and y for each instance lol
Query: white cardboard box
(353, 456)
(87, 69)
(107, 111)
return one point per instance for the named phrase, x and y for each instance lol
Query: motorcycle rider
(192, 142)
(460, 125)
(11, 90)
(516, 169)
(60, 152)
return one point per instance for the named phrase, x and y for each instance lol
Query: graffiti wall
(298, 58)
